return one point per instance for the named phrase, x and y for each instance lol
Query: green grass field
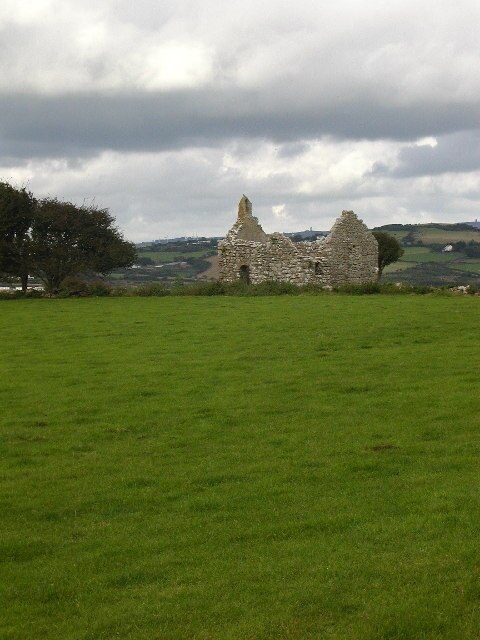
(240, 468)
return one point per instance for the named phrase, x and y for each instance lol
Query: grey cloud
(456, 153)
(292, 149)
(85, 124)
(344, 71)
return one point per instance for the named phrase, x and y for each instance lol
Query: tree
(389, 250)
(17, 210)
(67, 240)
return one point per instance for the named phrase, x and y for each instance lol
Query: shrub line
(76, 289)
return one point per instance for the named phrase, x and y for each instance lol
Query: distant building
(475, 224)
(348, 255)
(309, 234)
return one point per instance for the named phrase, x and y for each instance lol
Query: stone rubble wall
(351, 251)
(348, 255)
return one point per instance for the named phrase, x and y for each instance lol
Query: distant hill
(432, 232)
(426, 260)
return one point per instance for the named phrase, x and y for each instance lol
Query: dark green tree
(17, 210)
(389, 250)
(67, 240)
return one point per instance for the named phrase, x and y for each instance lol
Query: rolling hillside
(426, 262)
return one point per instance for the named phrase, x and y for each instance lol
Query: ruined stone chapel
(349, 254)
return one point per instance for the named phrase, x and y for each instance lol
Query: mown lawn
(240, 468)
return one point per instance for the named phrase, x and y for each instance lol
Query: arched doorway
(244, 273)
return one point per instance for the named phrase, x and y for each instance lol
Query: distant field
(423, 265)
(437, 274)
(429, 235)
(424, 254)
(241, 468)
(469, 266)
(396, 266)
(399, 235)
(169, 256)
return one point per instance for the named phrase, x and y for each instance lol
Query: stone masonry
(349, 254)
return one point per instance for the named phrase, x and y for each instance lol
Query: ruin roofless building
(349, 254)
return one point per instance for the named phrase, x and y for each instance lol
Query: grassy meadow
(240, 468)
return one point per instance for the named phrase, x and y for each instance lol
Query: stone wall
(349, 254)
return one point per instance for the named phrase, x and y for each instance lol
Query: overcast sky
(167, 111)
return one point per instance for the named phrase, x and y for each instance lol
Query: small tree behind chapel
(389, 250)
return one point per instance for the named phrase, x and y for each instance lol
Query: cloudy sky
(166, 111)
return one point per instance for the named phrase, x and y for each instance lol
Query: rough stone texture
(246, 227)
(349, 254)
